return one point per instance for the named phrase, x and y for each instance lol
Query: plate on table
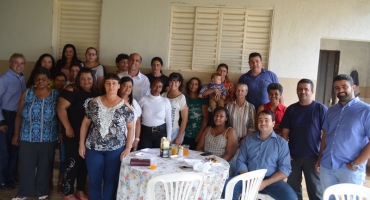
(151, 151)
(176, 157)
(191, 162)
(212, 160)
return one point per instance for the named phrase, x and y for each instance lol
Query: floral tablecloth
(133, 180)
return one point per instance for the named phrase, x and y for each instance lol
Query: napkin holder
(139, 162)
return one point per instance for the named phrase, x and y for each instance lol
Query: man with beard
(345, 146)
(301, 126)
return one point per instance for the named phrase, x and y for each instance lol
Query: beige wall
(144, 25)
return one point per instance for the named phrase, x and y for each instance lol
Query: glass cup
(186, 149)
(153, 163)
(174, 148)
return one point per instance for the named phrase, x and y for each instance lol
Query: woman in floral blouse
(103, 140)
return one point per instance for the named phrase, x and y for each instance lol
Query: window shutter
(258, 33)
(203, 37)
(182, 36)
(78, 24)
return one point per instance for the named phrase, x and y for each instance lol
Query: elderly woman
(179, 107)
(242, 116)
(69, 56)
(219, 139)
(198, 115)
(36, 132)
(125, 92)
(156, 117)
(71, 111)
(109, 122)
(275, 90)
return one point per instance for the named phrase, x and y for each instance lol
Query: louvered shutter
(78, 24)
(203, 37)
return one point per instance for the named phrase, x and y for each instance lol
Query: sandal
(46, 197)
(70, 197)
(81, 195)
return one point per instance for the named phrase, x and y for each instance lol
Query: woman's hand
(177, 141)
(82, 150)
(125, 153)
(135, 144)
(217, 93)
(15, 140)
(69, 132)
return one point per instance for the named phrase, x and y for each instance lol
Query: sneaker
(6, 186)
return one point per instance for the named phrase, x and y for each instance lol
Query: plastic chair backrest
(347, 191)
(177, 186)
(251, 184)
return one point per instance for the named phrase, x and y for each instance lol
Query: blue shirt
(348, 130)
(305, 125)
(220, 87)
(271, 154)
(11, 87)
(39, 118)
(257, 86)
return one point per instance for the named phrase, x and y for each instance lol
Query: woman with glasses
(92, 63)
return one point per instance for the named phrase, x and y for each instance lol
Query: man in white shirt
(141, 82)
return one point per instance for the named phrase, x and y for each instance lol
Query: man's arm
(322, 148)
(277, 176)
(362, 157)
(241, 161)
(285, 133)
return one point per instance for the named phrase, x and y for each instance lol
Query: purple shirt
(257, 86)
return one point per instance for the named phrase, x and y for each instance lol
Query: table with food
(134, 178)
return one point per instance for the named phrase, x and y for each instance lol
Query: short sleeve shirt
(177, 105)
(195, 116)
(107, 131)
(257, 86)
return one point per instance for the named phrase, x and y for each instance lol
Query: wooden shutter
(78, 24)
(203, 37)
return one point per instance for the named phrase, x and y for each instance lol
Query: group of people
(99, 117)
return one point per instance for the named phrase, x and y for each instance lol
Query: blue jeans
(103, 166)
(279, 191)
(331, 177)
(313, 185)
(174, 135)
(8, 152)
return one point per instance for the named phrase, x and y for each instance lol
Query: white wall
(143, 26)
(354, 55)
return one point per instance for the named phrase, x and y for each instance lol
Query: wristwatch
(355, 167)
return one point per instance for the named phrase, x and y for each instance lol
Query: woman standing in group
(109, 127)
(275, 90)
(179, 107)
(69, 56)
(92, 63)
(157, 65)
(198, 115)
(36, 132)
(125, 92)
(46, 61)
(73, 71)
(156, 117)
(71, 110)
(122, 64)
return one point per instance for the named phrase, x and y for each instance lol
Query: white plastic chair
(264, 197)
(251, 184)
(345, 191)
(177, 186)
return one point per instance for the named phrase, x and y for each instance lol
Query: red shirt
(279, 113)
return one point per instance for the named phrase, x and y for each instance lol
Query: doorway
(328, 69)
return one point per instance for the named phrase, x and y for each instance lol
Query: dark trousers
(76, 168)
(150, 137)
(8, 152)
(313, 184)
(191, 142)
(36, 159)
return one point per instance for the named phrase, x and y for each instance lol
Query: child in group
(215, 85)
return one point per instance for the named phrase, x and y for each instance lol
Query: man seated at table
(264, 149)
